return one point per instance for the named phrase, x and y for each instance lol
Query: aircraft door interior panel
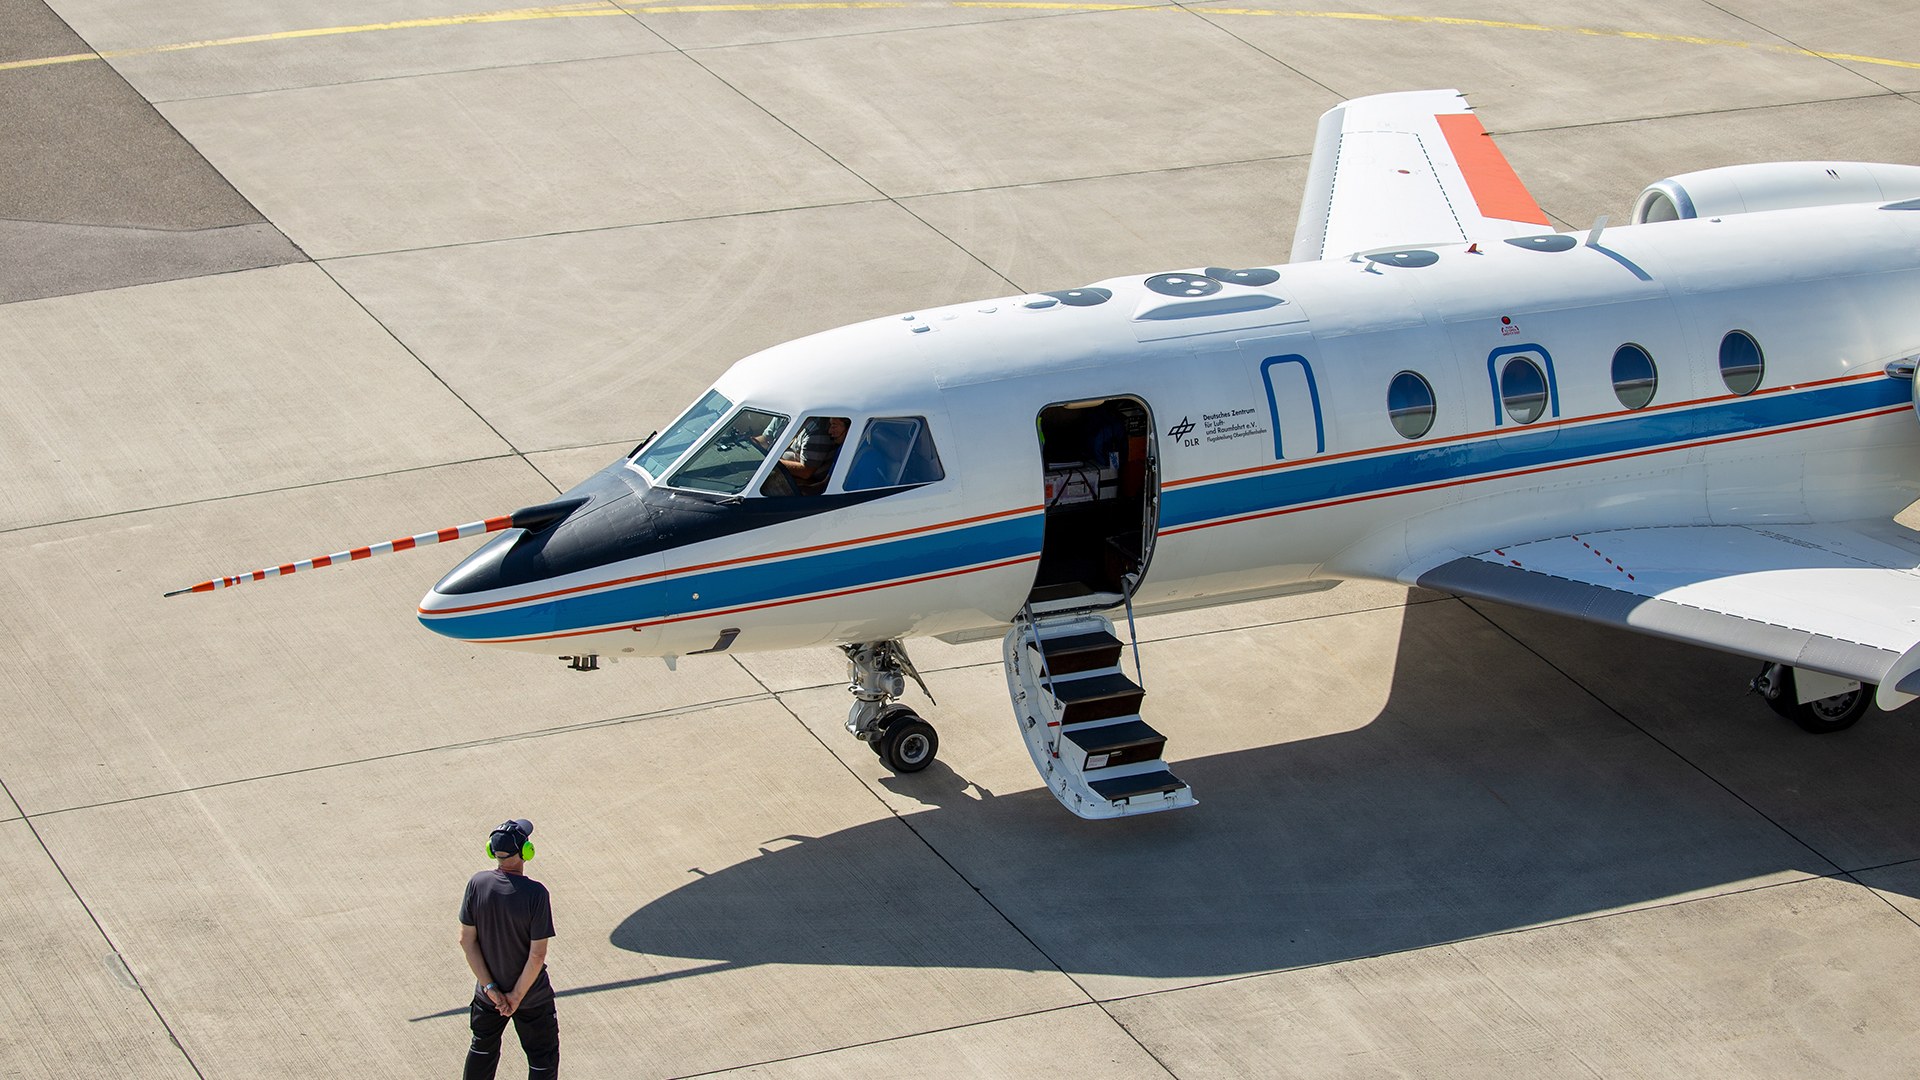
(1101, 492)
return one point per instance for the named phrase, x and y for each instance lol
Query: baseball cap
(519, 825)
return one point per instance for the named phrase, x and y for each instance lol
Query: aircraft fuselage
(1274, 458)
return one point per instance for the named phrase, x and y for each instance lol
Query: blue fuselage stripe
(1517, 450)
(753, 584)
(759, 584)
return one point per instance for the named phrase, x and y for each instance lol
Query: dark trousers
(538, 1027)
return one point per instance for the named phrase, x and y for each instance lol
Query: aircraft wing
(1404, 170)
(1839, 598)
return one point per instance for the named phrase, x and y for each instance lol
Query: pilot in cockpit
(807, 463)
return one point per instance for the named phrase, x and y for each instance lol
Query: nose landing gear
(905, 743)
(876, 674)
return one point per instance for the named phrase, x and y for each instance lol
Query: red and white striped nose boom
(531, 518)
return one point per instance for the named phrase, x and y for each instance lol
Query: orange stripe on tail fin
(1495, 186)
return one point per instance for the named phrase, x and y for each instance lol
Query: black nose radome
(578, 531)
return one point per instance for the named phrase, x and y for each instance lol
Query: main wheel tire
(1822, 716)
(909, 745)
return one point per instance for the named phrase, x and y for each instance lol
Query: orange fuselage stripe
(742, 560)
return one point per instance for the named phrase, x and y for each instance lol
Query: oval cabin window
(1634, 379)
(1523, 390)
(1741, 364)
(1410, 405)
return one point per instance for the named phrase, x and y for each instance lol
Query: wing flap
(1405, 169)
(1841, 598)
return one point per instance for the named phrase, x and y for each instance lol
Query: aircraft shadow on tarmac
(1444, 818)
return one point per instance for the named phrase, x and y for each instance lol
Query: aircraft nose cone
(484, 571)
(475, 601)
(506, 588)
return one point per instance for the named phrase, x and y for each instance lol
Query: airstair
(1080, 716)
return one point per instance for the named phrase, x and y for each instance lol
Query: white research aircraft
(1696, 426)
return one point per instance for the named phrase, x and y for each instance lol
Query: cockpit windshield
(729, 460)
(666, 448)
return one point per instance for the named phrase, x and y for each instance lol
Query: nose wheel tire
(908, 743)
(888, 715)
(1823, 715)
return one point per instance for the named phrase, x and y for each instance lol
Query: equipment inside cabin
(1100, 481)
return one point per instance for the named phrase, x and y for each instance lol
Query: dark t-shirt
(510, 912)
(818, 450)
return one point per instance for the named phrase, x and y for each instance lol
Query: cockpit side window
(659, 455)
(728, 461)
(807, 463)
(895, 451)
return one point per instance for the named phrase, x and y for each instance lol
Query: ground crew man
(505, 921)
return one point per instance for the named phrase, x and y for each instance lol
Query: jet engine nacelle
(1779, 185)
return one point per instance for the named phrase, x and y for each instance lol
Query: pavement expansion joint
(1895, 864)
(1733, 110)
(593, 229)
(137, 229)
(905, 820)
(1597, 917)
(437, 377)
(374, 80)
(850, 35)
(983, 1022)
(1300, 620)
(1707, 774)
(612, 721)
(114, 960)
(1124, 174)
(110, 515)
(523, 736)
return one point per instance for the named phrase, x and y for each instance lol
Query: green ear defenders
(508, 840)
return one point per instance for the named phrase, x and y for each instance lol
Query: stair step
(1080, 652)
(1097, 697)
(1125, 743)
(1132, 787)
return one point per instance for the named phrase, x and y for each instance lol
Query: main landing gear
(877, 673)
(1779, 685)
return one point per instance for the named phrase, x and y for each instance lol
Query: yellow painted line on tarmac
(44, 61)
(1038, 5)
(1542, 28)
(1857, 58)
(837, 5)
(602, 8)
(562, 11)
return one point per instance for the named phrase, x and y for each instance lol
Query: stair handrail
(1024, 617)
(1129, 583)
